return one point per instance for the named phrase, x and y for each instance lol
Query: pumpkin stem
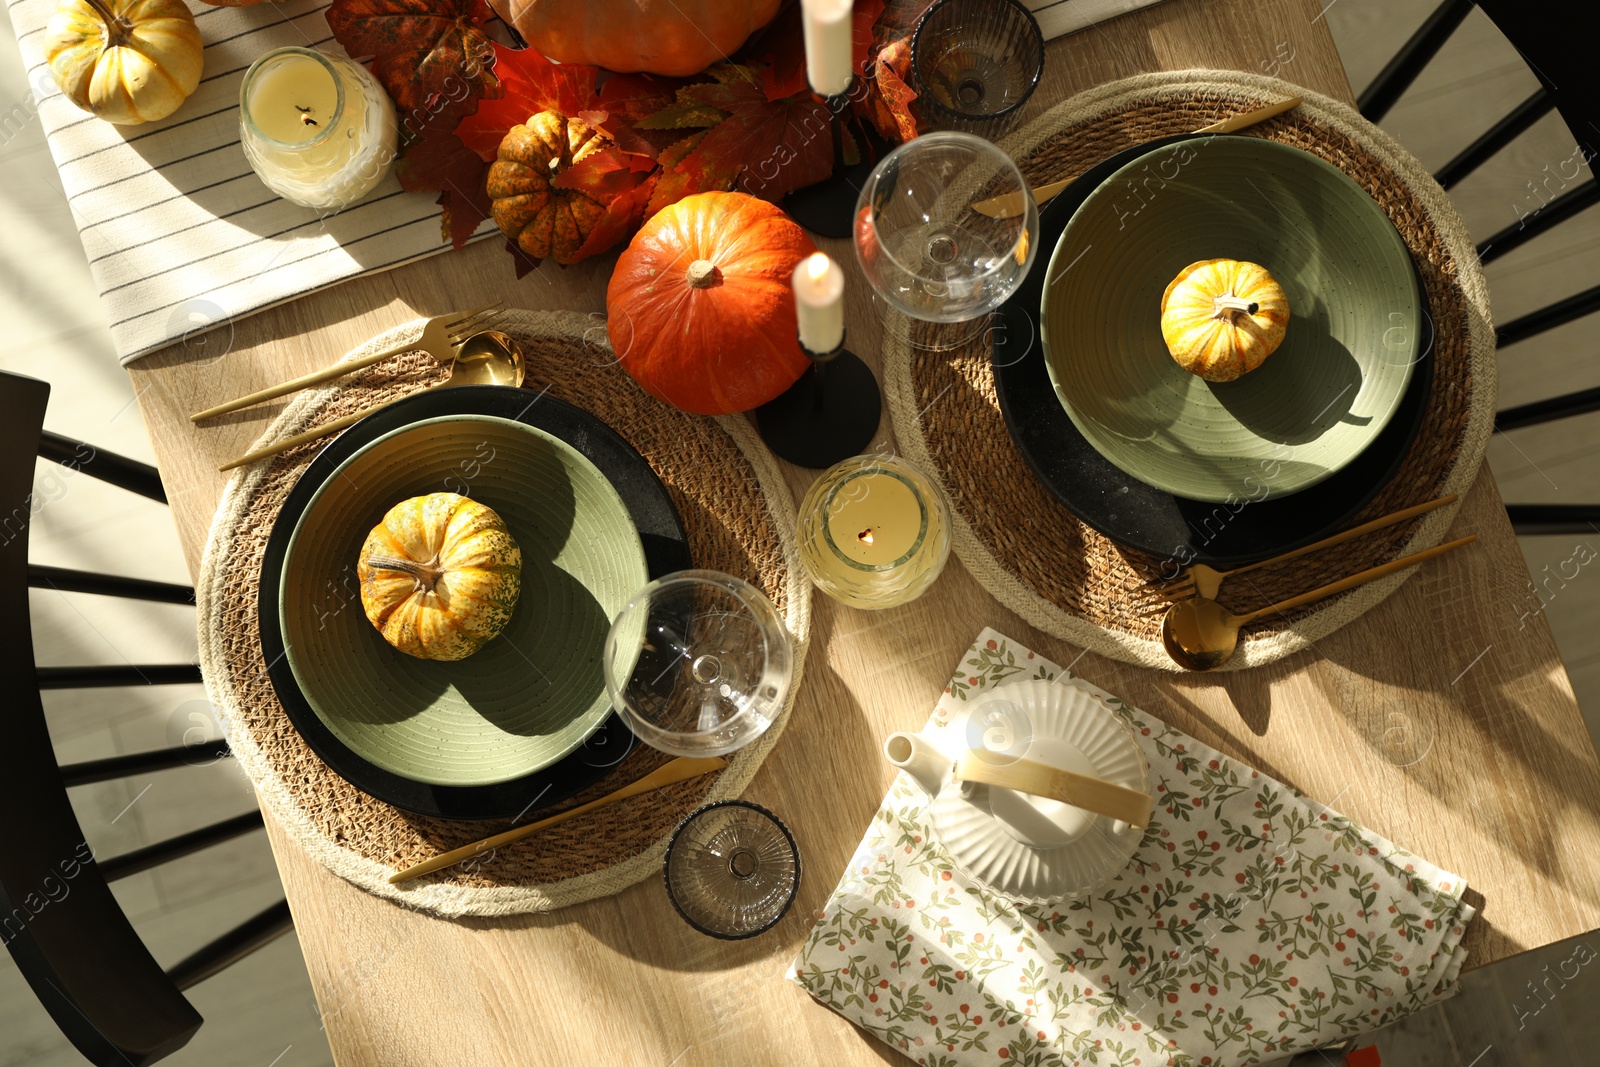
(1231, 306)
(118, 29)
(703, 274)
(425, 575)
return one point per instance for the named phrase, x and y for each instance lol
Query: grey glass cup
(732, 869)
(974, 63)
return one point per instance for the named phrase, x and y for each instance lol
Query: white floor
(261, 1013)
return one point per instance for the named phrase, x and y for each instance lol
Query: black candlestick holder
(828, 207)
(830, 414)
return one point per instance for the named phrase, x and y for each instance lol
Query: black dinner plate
(666, 549)
(1140, 516)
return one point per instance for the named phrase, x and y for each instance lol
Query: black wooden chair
(57, 914)
(1560, 55)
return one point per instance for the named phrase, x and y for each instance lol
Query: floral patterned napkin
(1252, 923)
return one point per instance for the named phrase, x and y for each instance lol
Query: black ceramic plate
(666, 550)
(1140, 516)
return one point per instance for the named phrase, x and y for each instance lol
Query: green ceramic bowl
(527, 698)
(1315, 404)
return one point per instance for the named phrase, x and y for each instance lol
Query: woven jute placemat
(1067, 579)
(739, 517)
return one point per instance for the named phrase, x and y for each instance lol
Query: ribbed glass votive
(974, 63)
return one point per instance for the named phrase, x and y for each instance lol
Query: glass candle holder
(874, 532)
(317, 129)
(974, 63)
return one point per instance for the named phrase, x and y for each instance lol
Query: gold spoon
(1201, 635)
(488, 357)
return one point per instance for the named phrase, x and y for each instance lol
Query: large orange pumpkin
(700, 309)
(676, 37)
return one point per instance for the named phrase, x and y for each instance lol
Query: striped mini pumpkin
(1221, 318)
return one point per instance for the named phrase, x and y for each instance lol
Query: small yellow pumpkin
(440, 576)
(127, 61)
(1221, 318)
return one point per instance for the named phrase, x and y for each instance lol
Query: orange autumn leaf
(764, 147)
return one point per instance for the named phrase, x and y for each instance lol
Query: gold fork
(440, 336)
(1197, 579)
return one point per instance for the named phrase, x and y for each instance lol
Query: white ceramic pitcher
(1025, 848)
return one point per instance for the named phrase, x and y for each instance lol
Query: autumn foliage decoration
(751, 124)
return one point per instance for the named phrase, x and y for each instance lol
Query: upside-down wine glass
(698, 663)
(924, 249)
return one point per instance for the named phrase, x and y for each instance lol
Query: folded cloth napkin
(1252, 923)
(1058, 18)
(180, 234)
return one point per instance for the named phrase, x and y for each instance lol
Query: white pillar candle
(318, 130)
(827, 35)
(819, 303)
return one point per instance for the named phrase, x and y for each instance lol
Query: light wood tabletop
(1506, 792)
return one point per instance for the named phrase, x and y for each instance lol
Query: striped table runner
(179, 232)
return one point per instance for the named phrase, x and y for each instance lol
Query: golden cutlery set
(466, 341)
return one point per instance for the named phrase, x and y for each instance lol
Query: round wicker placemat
(1073, 582)
(739, 518)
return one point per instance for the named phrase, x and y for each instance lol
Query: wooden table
(1508, 795)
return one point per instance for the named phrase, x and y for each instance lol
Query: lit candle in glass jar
(318, 130)
(874, 532)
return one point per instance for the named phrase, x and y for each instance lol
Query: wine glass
(732, 869)
(698, 663)
(925, 250)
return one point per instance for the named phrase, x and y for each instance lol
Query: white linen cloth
(179, 232)
(1252, 923)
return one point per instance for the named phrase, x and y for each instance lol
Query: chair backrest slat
(129, 474)
(116, 675)
(260, 929)
(1531, 225)
(1496, 137)
(113, 767)
(65, 580)
(1534, 520)
(1560, 313)
(66, 931)
(143, 859)
(1396, 77)
(1557, 407)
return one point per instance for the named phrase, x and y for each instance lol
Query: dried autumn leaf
(529, 84)
(439, 162)
(889, 102)
(623, 216)
(626, 100)
(431, 55)
(767, 147)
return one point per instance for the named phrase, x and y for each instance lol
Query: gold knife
(679, 770)
(1009, 205)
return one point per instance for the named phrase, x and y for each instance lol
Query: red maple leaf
(627, 99)
(440, 162)
(768, 147)
(529, 84)
(431, 55)
(785, 73)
